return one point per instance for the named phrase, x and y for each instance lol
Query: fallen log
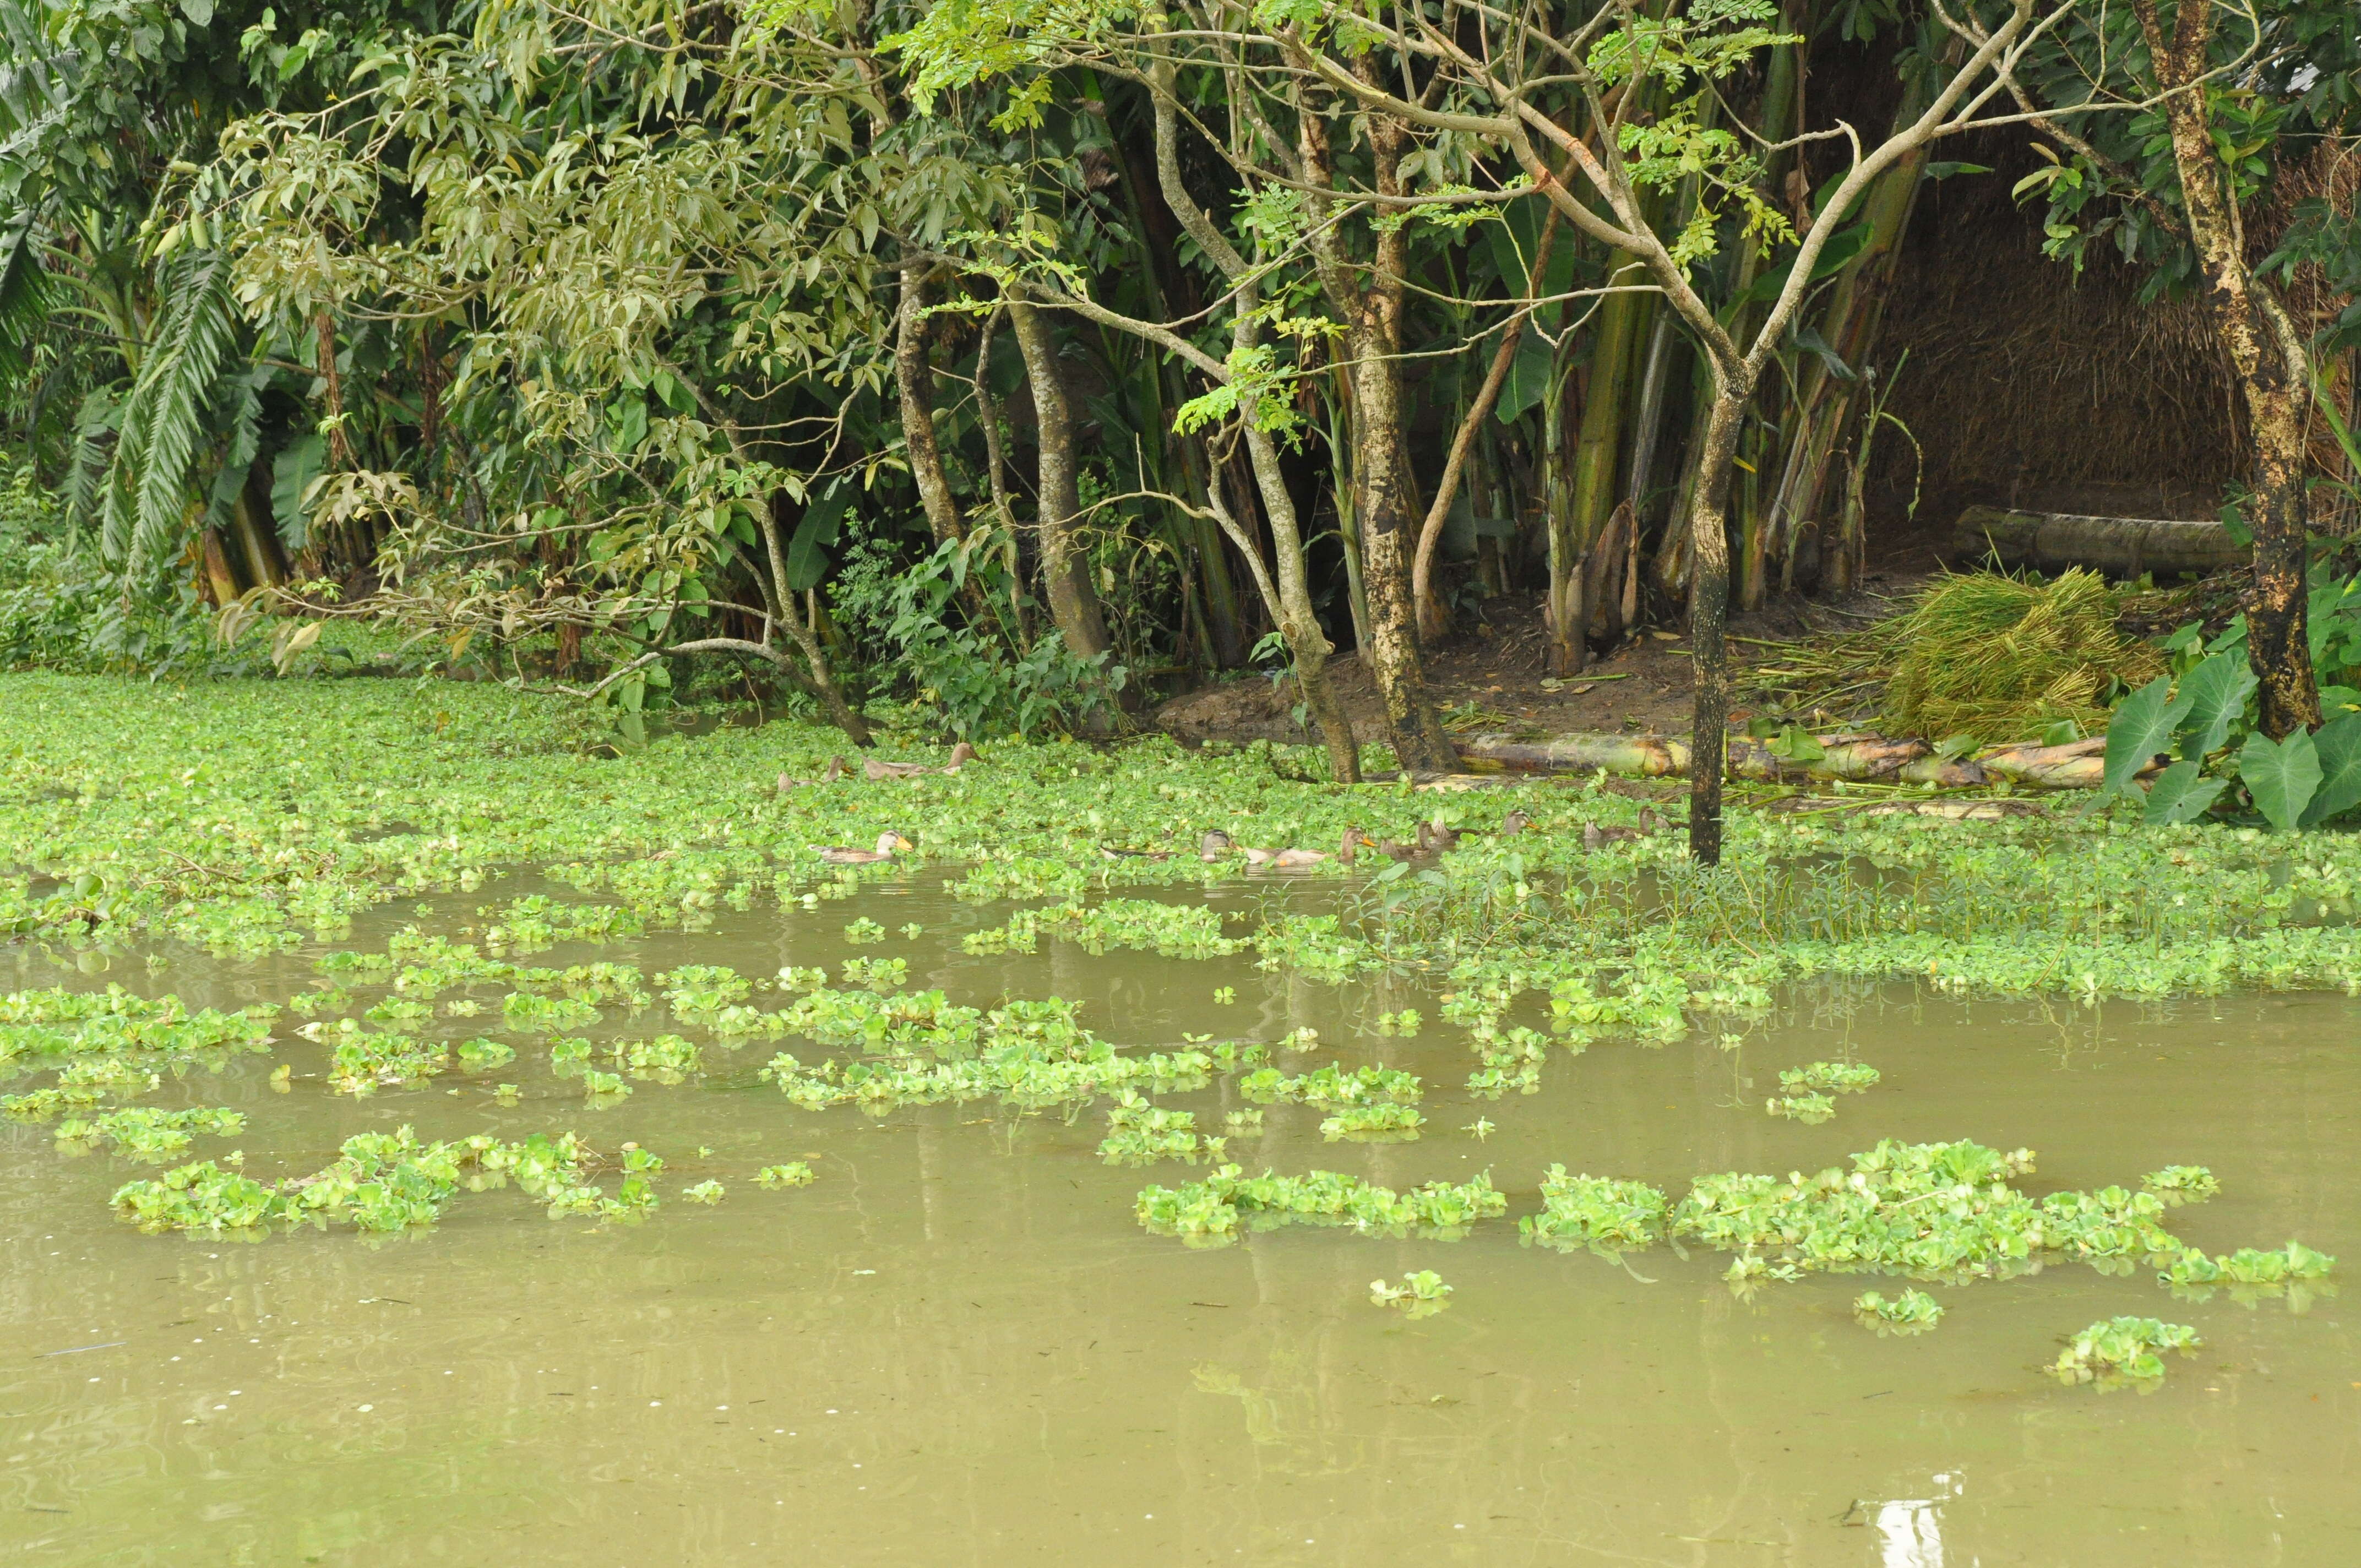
(2118, 546)
(1854, 757)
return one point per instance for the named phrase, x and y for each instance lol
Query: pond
(958, 1343)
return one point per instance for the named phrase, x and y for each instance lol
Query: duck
(1113, 853)
(835, 771)
(1215, 844)
(1436, 838)
(1595, 838)
(1514, 823)
(888, 843)
(1294, 859)
(962, 754)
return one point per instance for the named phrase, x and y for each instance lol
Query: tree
(2225, 100)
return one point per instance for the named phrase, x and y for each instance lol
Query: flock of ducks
(1431, 842)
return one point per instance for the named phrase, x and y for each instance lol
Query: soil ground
(1496, 674)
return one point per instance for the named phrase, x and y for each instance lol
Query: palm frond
(24, 293)
(146, 509)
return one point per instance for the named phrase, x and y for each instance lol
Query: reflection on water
(1910, 1530)
(958, 1347)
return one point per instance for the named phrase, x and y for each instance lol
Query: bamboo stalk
(1854, 757)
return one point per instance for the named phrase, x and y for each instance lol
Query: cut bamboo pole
(1854, 757)
(2119, 546)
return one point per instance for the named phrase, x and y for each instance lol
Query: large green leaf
(299, 463)
(2338, 746)
(2282, 776)
(2217, 692)
(2181, 795)
(807, 548)
(2141, 731)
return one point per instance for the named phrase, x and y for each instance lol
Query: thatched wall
(2029, 386)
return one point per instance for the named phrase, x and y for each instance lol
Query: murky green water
(959, 1346)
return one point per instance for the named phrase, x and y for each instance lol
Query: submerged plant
(1911, 1312)
(2121, 1350)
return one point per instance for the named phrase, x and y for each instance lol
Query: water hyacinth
(1210, 1211)
(1595, 1211)
(2116, 1351)
(1910, 1312)
(1420, 1294)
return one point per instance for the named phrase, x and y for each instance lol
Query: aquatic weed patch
(1909, 1313)
(2116, 1350)
(1211, 1212)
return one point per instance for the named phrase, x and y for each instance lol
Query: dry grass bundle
(1977, 653)
(2000, 659)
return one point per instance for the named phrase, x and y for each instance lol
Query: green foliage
(1597, 1211)
(1421, 1294)
(1910, 1312)
(1372, 1123)
(707, 1192)
(1207, 1212)
(794, 1173)
(2120, 1350)
(1809, 1109)
(1141, 1134)
(1838, 1078)
(145, 1134)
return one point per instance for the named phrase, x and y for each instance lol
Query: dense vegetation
(1011, 359)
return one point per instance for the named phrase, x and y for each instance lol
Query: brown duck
(888, 844)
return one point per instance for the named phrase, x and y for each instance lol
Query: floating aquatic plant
(794, 1173)
(1595, 1211)
(864, 931)
(2182, 1184)
(1421, 1294)
(1381, 1121)
(2121, 1350)
(1910, 1312)
(703, 1193)
(1831, 1078)
(1210, 1211)
(1811, 1109)
(1334, 1085)
(147, 1134)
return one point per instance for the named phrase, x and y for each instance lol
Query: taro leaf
(2216, 691)
(2282, 777)
(2338, 746)
(2179, 794)
(2140, 732)
(1798, 745)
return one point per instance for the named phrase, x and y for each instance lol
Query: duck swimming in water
(1294, 859)
(888, 843)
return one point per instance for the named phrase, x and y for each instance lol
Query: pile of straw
(2001, 659)
(1977, 653)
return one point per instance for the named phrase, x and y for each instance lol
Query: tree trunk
(1065, 570)
(840, 712)
(1382, 511)
(913, 377)
(2273, 377)
(1709, 618)
(1065, 575)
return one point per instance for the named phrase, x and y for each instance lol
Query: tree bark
(1709, 618)
(840, 712)
(913, 377)
(1381, 508)
(2273, 376)
(1065, 575)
